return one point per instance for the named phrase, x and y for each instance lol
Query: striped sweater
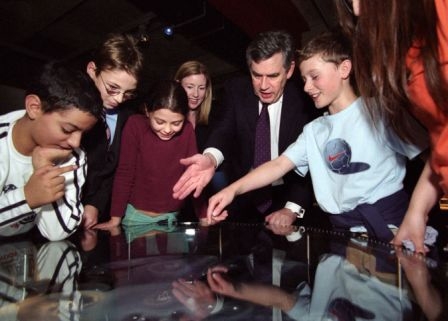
(55, 221)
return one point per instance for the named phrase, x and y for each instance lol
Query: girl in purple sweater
(152, 145)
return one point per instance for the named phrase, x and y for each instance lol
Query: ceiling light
(168, 31)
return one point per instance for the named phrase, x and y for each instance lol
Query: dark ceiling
(215, 32)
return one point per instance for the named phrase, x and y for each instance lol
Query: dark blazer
(102, 162)
(234, 135)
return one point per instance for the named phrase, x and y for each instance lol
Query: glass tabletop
(231, 271)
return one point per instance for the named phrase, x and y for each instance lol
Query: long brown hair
(382, 37)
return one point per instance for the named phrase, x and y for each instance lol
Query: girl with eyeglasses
(401, 65)
(114, 68)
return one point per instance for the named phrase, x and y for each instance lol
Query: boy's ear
(91, 70)
(345, 67)
(291, 70)
(33, 106)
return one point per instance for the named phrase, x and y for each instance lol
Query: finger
(198, 190)
(90, 224)
(44, 169)
(58, 195)
(57, 171)
(180, 296)
(55, 185)
(220, 217)
(218, 206)
(220, 282)
(193, 183)
(86, 224)
(102, 226)
(219, 268)
(209, 215)
(420, 248)
(188, 161)
(274, 221)
(65, 169)
(57, 181)
(186, 175)
(212, 209)
(52, 153)
(397, 242)
(184, 188)
(181, 182)
(398, 238)
(182, 288)
(188, 188)
(211, 281)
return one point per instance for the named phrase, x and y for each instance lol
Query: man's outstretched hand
(199, 172)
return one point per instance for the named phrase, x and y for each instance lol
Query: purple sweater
(149, 167)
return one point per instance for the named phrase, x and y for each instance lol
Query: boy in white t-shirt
(42, 168)
(357, 169)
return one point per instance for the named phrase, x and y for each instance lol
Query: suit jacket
(102, 162)
(234, 135)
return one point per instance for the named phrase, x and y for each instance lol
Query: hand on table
(282, 217)
(90, 216)
(218, 283)
(89, 239)
(284, 230)
(418, 276)
(413, 229)
(196, 296)
(113, 226)
(217, 203)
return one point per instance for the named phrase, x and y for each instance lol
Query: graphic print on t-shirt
(338, 156)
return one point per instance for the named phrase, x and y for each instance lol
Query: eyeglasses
(111, 91)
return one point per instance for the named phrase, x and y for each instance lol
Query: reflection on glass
(225, 272)
(39, 282)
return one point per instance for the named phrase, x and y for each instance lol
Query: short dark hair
(60, 88)
(168, 95)
(266, 44)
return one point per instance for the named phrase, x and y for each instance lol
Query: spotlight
(168, 31)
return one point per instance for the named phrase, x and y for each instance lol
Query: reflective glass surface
(232, 271)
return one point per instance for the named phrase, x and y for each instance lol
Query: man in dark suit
(270, 58)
